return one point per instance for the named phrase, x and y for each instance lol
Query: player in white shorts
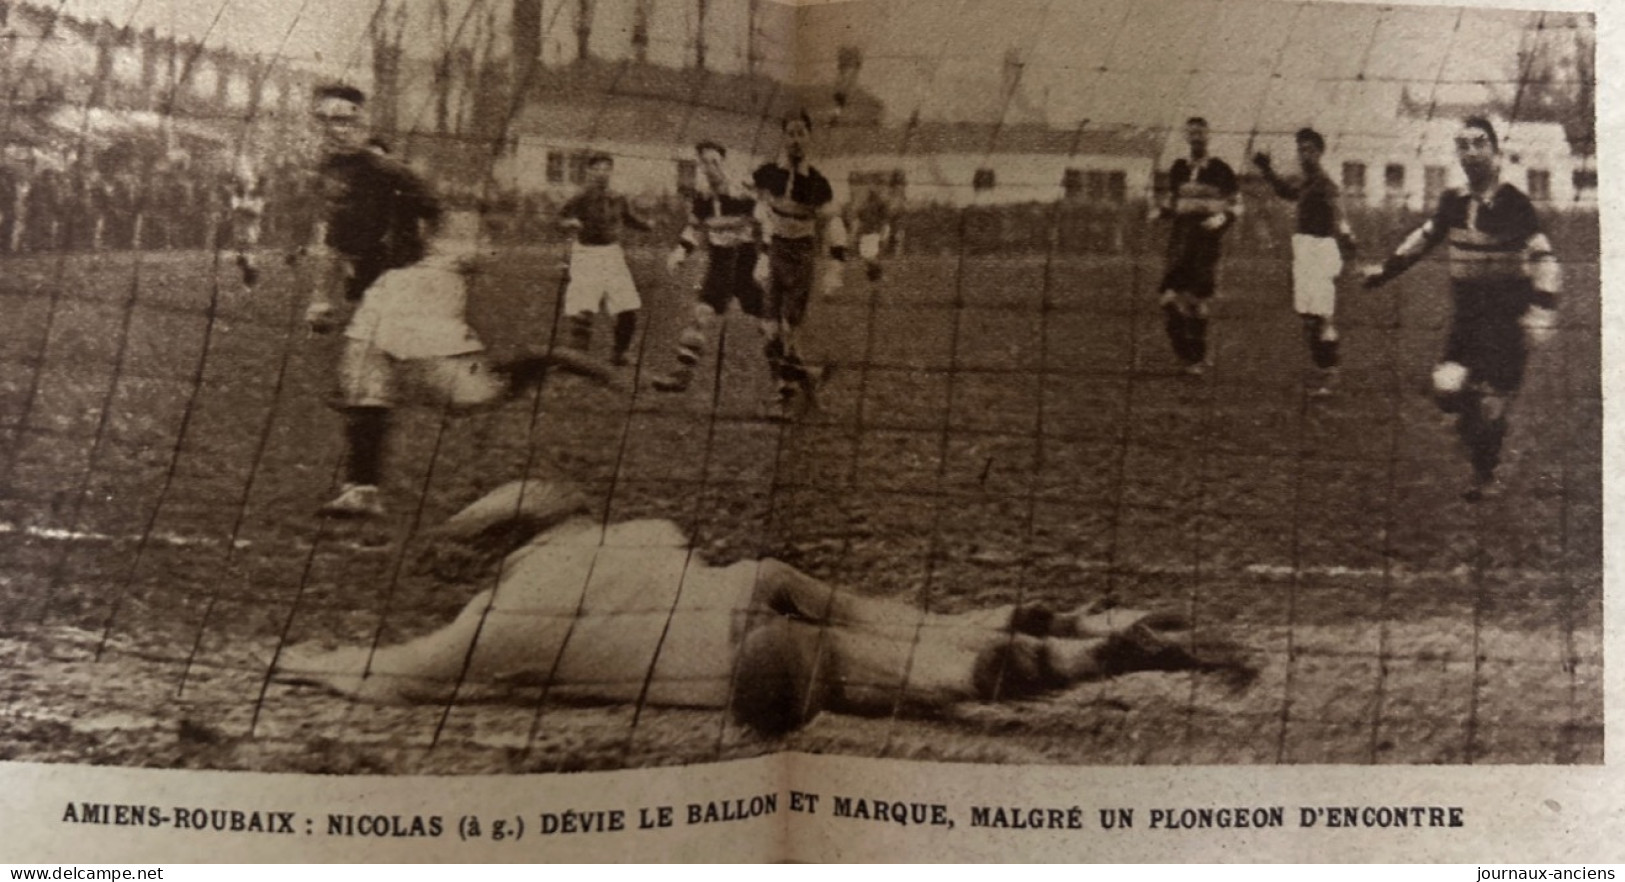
(599, 277)
(409, 342)
(1320, 245)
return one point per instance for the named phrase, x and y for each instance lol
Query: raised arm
(1283, 188)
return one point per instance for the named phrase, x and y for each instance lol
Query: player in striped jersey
(722, 220)
(795, 202)
(1203, 203)
(1504, 280)
(1319, 246)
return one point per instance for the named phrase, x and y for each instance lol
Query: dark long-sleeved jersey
(1498, 255)
(374, 207)
(796, 199)
(602, 214)
(1316, 196)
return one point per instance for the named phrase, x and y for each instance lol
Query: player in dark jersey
(723, 220)
(1504, 281)
(373, 210)
(1202, 202)
(1320, 245)
(796, 208)
(374, 207)
(378, 220)
(599, 276)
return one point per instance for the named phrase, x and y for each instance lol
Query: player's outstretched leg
(528, 372)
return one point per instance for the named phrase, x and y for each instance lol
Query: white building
(1413, 160)
(966, 164)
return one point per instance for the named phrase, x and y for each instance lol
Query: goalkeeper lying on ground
(630, 613)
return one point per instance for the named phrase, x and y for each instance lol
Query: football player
(794, 200)
(723, 221)
(409, 342)
(1203, 205)
(246, 203)
(1504, 281)
(1322, 242)
(599, 277)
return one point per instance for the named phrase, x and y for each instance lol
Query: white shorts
(1316, 263)
(416, 312)
(370, 377)
(599, 279)
(869, 246)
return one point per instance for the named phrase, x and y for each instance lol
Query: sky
(1242, 63)
(1237, 62)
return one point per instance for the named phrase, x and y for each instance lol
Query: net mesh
(1006, 427)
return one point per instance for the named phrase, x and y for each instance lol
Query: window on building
(1072, 183)
(1354, 178)
(1097, 186)
(688, 176)
(1540, 185)
(983, 179)
(555, 167)
(1393, 177)
(1117, 187)
(1585, 179)
(578, 167)
(1434, 177)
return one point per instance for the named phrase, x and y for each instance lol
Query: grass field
(1002, 429)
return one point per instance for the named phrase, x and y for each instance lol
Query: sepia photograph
(500, 387)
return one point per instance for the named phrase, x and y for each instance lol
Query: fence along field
(1006, 427)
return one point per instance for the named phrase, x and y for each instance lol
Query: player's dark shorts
(730, 274)
(1486, 338)
(790, 288)
(1193, 258)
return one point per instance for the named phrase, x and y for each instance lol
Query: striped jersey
(1203, 188)
(794, 199)
(1496, 247)
(720, 220)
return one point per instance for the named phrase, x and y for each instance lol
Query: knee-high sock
(1197, 325)
(1483, 429)
(581, 330)
(1177, 324)
(1322, 340)
(626, 325)
(365, 429)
